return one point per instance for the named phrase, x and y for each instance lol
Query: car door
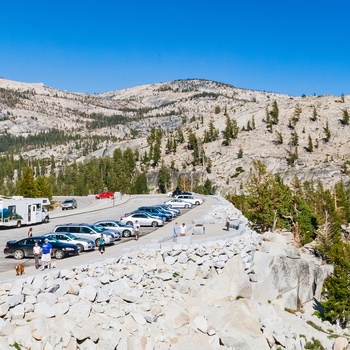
(142, 219)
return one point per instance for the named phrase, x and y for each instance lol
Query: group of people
(179, 230)
(42, 253)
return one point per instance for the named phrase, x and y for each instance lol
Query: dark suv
(69, 204)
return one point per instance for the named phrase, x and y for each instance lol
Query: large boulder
(230, 283)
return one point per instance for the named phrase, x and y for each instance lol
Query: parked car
(69, 204)
(104, 195)
(144, 219)
(178, 203)
(165, 210)
(82, 243)
(191, 199)
(23, 248)
(156, 212)
(86, 231)
(125, 230)
(176, 211)
(178, 192)
(116, 231)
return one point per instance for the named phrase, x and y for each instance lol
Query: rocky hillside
(125, 117)
(239, 291)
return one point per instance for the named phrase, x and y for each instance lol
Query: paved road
(91, 210)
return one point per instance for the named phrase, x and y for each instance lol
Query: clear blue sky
(294, 47)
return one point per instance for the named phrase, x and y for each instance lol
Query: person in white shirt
(37, 254)
(183, 230)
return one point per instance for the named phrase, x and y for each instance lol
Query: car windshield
(70, 235)
(98, 228)
(67, 201)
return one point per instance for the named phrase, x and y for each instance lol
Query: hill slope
(124, 118)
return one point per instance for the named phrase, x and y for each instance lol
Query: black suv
(69, 204)
(24, 247)
(178, 192)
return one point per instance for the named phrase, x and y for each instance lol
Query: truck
(18, 211)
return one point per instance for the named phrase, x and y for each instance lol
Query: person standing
(37, 253)
(101, 247)
(30, 232)
(46, 254)
(183, 230)
(137, 230)
(176, 229)
(228, 219)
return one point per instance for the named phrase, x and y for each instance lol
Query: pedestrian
(183, 230)
(137, 230)
(228, 220)
(46, 254)
(30, 232)
(37, 253)
(176, 229)
(101, 247)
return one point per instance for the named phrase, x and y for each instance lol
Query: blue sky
(294, 47)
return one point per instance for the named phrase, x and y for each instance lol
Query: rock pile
(177, 297)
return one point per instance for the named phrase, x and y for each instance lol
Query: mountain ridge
(30, 108)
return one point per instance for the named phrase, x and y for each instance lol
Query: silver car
(69, 204)
(82, 243)
(124, 230)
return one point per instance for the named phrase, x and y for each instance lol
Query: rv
(19, 211)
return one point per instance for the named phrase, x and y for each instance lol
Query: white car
(124, 230)
(143, 218)
(178, 203)
(190, 199)
(82, 243)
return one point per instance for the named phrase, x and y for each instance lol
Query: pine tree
(327, 132)
(345, 119)
(43, 187)
(279, 139)
(310, 147)
(314, 114)
(336, 289)
(27, 185)
(275, 113)
(164, 178)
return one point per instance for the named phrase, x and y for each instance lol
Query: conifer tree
(164, 178)
(275, 113)
(314, 114)
(310, 147)
(345, 119)
(327, 132)
(27, 185)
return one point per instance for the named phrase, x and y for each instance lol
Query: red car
(104, 195)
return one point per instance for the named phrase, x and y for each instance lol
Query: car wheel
(18, 254)
(19, 224)
(126, 233)
(46, 220)
(129, 223)
(59, 254)
(81, 248)
(186, 206)
(97, 242)
(62, 209)
(197, 203)
(154, 223)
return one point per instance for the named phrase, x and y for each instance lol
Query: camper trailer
(19, 211)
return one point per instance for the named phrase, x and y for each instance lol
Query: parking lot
(89, 210)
